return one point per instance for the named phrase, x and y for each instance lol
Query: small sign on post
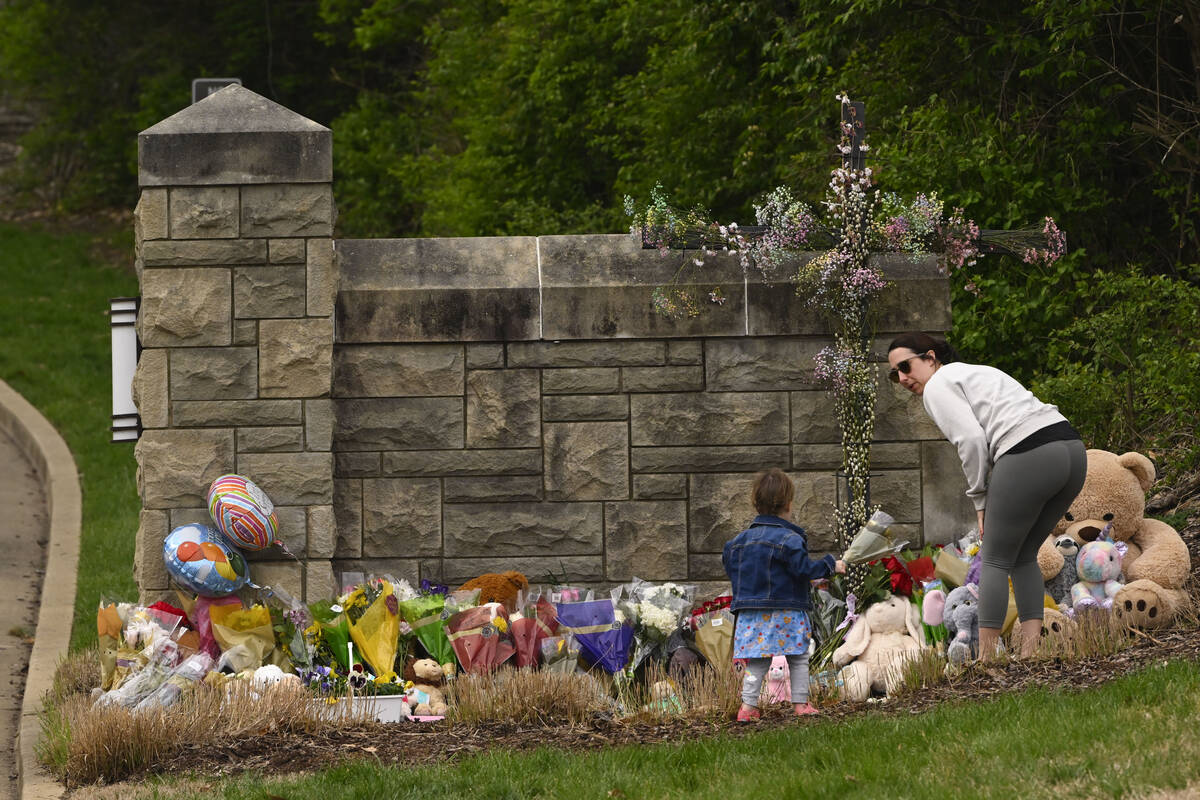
(203, 87)
(126, 425)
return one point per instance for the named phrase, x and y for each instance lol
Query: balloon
(197, 557)
(242, 512)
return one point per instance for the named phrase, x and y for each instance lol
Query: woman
(1024, 465)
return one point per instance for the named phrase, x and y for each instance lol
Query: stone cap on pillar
(234, 136)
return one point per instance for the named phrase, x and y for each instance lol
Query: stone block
(576, 407)
(348, 518)
(616, 353)
(761, 364)
(572, 569)
(204, 252)
(898, 492)
(601, 286)
(270, 440)
(322, 277)
(659, 487)
(234, 136)
(322, 532)
(708, 459)
(949, 513)
(708, 419)
(522, 529)
(286, 251)
(268, 292)
(150, 215)
(581, 380)
(685, 351)
(204, 212)
(185, 308)
(587, 461)
(356, 465)
(706, 567)
(285, 575)
(662, 379)
(503, 408)
(149, 389)
(401, 517)
(493, 489)
(176, 467)
(485, 356)
(471, 289)
(895, 455)
(148, 568)
(719, 508)
(645, 539)
(817, 456)
(318, 425)
(319, 581)
(219, 413)
(298, 209)
(245, 332)
(398, 423)
(899, 414)
(527, 461)
(814, 419)
(402, 569)
(398, 370)
(192, 516)
(214, 373)
(295, 357)
(301, 479)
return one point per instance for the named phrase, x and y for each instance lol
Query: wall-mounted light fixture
(126, 425)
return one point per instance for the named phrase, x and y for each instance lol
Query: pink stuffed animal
(779, 682)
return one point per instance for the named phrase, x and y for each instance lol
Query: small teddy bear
(961, 618)
(1099, 568)
(1059, 587)
(425, 695)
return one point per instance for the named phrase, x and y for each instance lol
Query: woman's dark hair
(773, 491)
(922, 343)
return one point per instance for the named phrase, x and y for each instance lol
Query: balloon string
(285, 550)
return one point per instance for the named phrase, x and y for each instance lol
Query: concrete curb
(49, 454)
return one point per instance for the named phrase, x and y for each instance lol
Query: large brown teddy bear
(499, 588)
(1157, 562)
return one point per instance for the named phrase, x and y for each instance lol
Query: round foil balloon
(199, 559)
(242, 512)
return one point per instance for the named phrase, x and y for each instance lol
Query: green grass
(54, 350)
(1129, 737)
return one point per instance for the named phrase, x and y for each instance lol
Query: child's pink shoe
(806, 710)
(746, 714)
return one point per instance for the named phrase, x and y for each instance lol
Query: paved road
(23, 531)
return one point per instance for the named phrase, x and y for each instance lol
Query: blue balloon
(200, 559)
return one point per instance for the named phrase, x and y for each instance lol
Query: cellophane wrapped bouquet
(531, 622)
(656, 610)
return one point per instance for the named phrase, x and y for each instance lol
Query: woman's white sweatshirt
(983, 412)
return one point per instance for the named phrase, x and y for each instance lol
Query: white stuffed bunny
(883, 637)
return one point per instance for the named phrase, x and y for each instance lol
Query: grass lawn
(54, 350)
(1130, 738)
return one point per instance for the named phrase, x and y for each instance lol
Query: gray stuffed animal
(1059, 587)
(961, 619)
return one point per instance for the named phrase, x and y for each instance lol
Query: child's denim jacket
(769, 567)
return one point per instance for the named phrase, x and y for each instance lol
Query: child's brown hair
(773, 492)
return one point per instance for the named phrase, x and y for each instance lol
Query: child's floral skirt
(771, 632)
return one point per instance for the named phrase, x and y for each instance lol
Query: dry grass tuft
(76, 674)
(526, 696)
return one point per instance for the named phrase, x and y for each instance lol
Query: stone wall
(440, 408)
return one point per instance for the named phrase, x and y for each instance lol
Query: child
(770, 570)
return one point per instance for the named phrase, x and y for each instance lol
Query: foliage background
(481, 117)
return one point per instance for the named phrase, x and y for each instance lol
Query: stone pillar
(234, 249)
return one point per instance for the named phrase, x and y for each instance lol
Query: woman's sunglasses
(904, 366)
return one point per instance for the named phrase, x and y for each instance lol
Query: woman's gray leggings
(1027, 495)
(756, 670)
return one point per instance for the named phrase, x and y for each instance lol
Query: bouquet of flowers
(532, 621)
(245, 635)
(328, 636)
(559, 653)
(373, 614)
(872, 541)
(657, 611)
(603, 640)
(426, 613)
(480, 637)
(289, 618)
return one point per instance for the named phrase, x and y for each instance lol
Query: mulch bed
(279, 752)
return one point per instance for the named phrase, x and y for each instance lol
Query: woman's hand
(839, 567)
(979, 513)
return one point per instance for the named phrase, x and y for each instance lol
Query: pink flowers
(1056, 246)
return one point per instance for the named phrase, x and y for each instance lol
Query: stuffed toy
(1099, 567)
(425, 696)
(779, 681)
(498, 588)
(961, 618)
(1057, 628)
(1059, 587)
(1156, 563)
(872, 656)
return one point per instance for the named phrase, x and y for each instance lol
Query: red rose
(921, 569)
(901, 583)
